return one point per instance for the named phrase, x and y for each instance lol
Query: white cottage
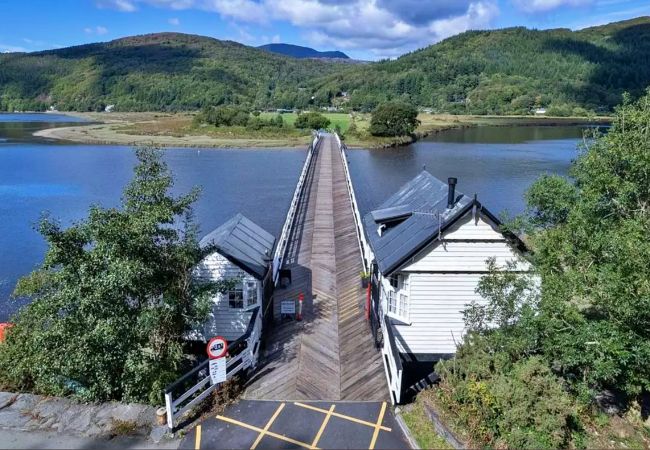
(242, 252)
(430, 245)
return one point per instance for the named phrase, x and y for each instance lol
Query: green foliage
(113, 297)
(589, 327)
(312, 120)
(509, 71)
(394, 119)
(223, 116)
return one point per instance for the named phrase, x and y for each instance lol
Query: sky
(364, 29)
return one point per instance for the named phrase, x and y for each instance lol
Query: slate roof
(425, 199)
(244, 243)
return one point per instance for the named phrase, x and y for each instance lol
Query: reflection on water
(19, 127)
(497, 163)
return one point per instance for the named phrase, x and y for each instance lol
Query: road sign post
(217, 350)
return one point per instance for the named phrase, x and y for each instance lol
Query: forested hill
(297, 51)
(165, 71)
(513, 70)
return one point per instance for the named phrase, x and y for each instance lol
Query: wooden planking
(330, 354)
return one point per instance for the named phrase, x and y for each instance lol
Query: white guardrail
(283, 240)
(195, 386)
(364, 247)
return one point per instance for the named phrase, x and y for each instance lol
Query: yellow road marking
(268, 425)
(343, 416)
(268, 433)
(322, 427)
(380, 419)
(197, 438)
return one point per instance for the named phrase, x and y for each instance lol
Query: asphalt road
(252, 424)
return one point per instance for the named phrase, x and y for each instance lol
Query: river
(36, 176)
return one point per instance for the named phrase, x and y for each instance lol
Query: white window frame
(248, 286)
(398, 299)
(237, 288)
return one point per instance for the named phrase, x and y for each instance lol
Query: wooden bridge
(330, 354)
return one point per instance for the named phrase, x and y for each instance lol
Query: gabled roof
(425, 198)
(244, 243)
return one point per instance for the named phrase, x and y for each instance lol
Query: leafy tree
(588, 329)
(394, 119)
(311, 120)
(113, 297)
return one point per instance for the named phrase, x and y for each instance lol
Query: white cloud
(120, 5)
(98, 30)
(383, 27)
(536, 6)
(174, 21)
(276, 39)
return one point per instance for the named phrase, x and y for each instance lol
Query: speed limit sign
(217, 347)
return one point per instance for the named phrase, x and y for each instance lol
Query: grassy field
(178, 130)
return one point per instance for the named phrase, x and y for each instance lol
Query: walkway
(290, 425)
(330, 355)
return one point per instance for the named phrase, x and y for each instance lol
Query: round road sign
(217, 347)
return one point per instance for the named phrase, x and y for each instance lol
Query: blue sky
(365, 29)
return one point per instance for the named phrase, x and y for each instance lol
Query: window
(251, 293)
(398, 296)
(236, 298)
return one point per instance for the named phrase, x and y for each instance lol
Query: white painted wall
(437, 297)
(223, 320)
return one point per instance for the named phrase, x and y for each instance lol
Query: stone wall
(26, 412)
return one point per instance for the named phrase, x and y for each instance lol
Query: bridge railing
(195, 386)
(364, 247)
(285, 235)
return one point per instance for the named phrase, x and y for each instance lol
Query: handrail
(242, 354)
(283, 240)
(366, 252)
(391, 342)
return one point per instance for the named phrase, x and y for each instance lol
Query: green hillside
(509, 71)
(166, 71)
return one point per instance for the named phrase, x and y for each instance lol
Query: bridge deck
(330, 355)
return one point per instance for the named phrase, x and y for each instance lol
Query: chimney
(451, 198)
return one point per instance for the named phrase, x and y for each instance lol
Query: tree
(113, 297)
(394, 119)
(311, 120)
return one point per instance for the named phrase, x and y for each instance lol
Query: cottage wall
(224, 321)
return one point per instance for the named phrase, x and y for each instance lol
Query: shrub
(394, 119)
(312, 120)
(223, 116)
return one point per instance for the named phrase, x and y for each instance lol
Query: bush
(312, 120)
(394, 119)
(507, 404)
(223, 116)
(113, 297)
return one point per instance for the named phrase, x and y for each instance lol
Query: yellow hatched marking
(322, 427)
(343, 416)
(380, 419)
(268, 425)
(197, 438)
(267, 433)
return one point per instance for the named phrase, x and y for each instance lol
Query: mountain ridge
(298, 51)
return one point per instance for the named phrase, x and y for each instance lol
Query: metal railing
(366, 251)
(195, 386)
(283, 240)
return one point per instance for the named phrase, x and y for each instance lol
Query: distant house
(430, 245)
(540, 111)
(109, 108)
(241, 253)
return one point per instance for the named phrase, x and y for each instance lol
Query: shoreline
(171, 130)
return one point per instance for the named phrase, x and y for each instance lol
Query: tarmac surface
(252, 424)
